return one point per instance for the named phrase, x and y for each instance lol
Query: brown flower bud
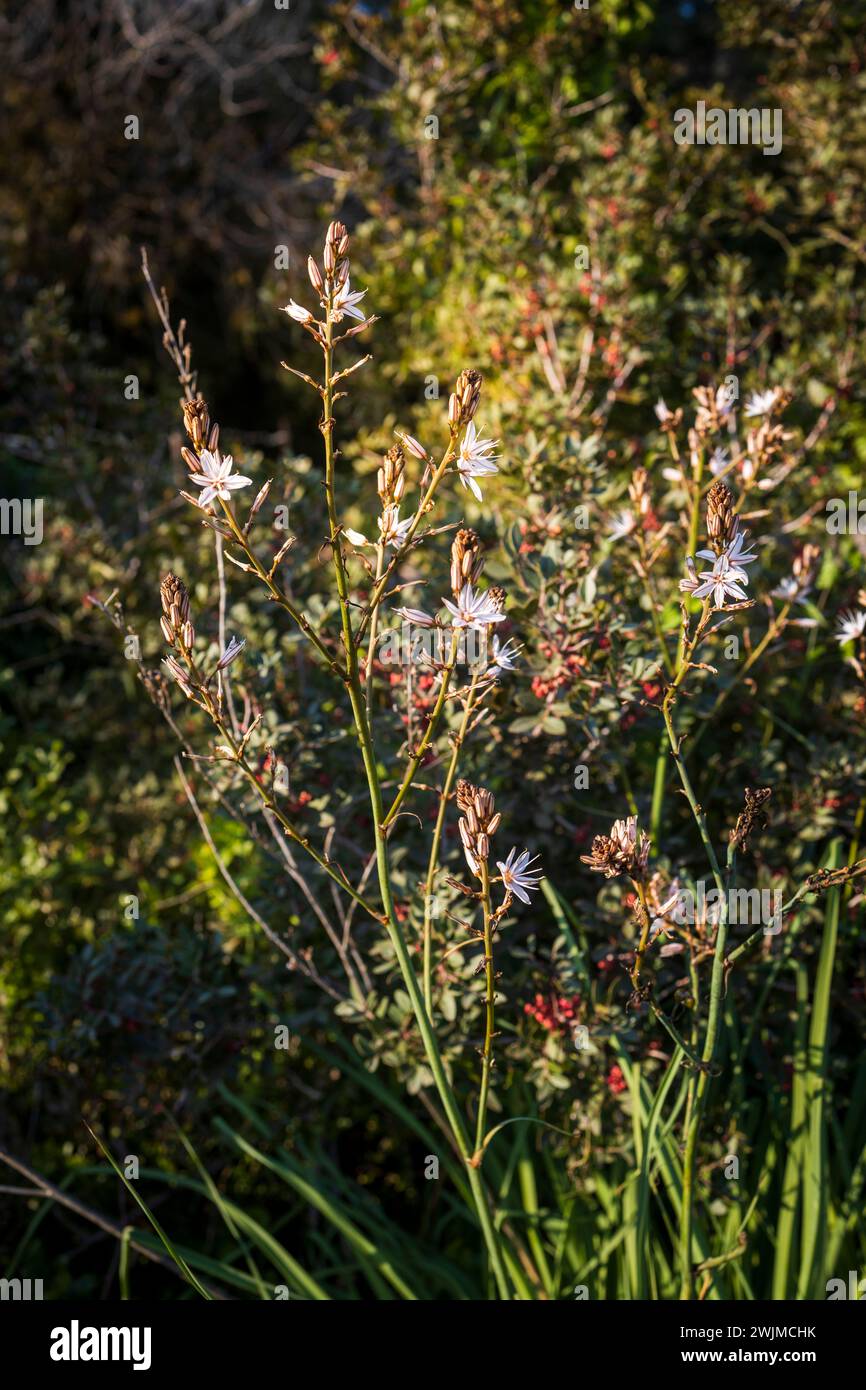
(467, 390)
(175, 610)
(721, 518)
(391, 479)
(467, 558)
(196, 420)
(638, 491)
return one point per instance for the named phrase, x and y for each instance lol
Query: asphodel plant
(710, 600)
(456, 644)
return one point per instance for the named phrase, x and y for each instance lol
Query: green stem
(374, 628)
(490, 993)
(437, 840)
(429, 733)
(395, 932)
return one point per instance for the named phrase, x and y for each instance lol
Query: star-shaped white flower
(623, 524)
(504, 657)
(473, 609)
(850, 624)
(736, 555)
(393, 531)
(216, 478)
(476, 459)
(517, 876)
(720, 582)
(346, 301)
(760, 403)
(719, 460)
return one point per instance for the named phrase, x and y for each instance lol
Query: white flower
(476, 459)
(298, 312)
(850, 625)
(504, 656)
(416, 616)
(216, 477)
(517, 876)
(355, 536)
(473, 609)
(736, 550)
(722, 582)
(393, 531)
(760, 403)
(345, 302)
(233, 649)
(719, 460)
(623, 525)
(787, 589)
(735, 556)
(661, 410)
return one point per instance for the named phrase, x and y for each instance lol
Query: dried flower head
(623, 851)
(752, 818)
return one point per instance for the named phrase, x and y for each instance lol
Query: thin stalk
(374, 629)
(427, 737)
(717, 979)
(423, 507)
(490, 1007)
(278, 595)
(395, 932)
(433, 863)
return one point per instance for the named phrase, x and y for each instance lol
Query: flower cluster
(728, 555)
(623, 851)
